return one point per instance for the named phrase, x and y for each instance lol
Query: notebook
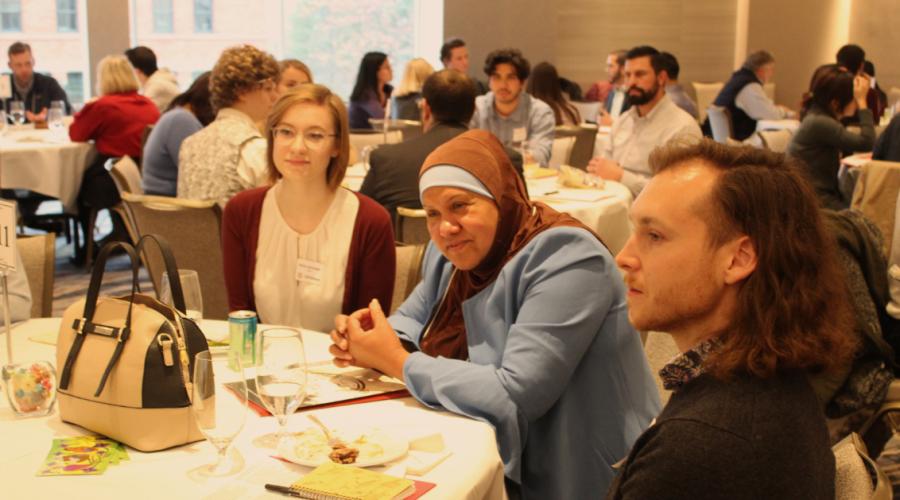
(342, 482)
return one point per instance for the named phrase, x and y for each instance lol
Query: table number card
(8, 234)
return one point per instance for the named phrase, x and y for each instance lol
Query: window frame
(67, 9)
(163, 12)
(11, 8)
(208, 5)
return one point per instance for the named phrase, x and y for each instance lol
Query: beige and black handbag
(126, 363)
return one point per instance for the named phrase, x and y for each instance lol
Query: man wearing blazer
(448, 102)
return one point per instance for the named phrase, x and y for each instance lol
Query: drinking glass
(17, 111)
(4, 122)
(55, 119)
(58, 105)
(280, 377)
(190, 286)
(219, 419)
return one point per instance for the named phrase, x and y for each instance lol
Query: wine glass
(190, 286)
(17, 111)
(219, 419)
(4, 122)
(280, 377)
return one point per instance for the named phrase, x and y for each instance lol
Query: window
(10, 15)
(75, 86)
(66, 16)
(162, 16)
(203, 16)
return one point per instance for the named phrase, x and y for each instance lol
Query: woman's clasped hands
(366, 339)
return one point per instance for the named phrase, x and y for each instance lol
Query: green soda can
(242, 335)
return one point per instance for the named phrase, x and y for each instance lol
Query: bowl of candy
(30, 388)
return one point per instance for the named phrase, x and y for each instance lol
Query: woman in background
(303, 249)
(544, 85)
(187, 113)
(409, 92)
(834, 93)
(293, 72)
(115, 122)
(371, 91)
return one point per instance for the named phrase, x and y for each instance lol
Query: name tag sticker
(309, 272)
(519, 134)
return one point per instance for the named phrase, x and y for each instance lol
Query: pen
(548, 193)
(284, 490)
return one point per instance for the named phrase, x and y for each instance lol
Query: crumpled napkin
(576, 178)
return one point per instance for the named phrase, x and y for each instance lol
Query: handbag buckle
(78, 325)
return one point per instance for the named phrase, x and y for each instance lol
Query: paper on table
(582, 195)
(857, 160)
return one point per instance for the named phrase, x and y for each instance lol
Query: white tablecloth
(473, 470)
(786, 124)
(39, 161)
(606, 213)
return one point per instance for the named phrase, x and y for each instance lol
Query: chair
(585, 138)
(192, 228)
(894, 96)
(561, 151)
(409, 272)
(720, 123)
(776, 140)
(127, 175)
(706, 94)
(660, 349)
(587, 110)
(411, 227)
(875, 195)
(360, 139)
(39, 257)
(407, 128)
(856, 475)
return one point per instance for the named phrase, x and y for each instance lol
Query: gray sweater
(819, 142)
(743, 439)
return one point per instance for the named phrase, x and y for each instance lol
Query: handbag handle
(171, 268)
(85, 324)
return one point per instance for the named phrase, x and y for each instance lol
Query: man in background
(455, 55)
(519, 120)
(652, 120)
(744, 97)
(158, 85)
(674, 89)
(35, 90)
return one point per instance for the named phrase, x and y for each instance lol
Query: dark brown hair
(830, 83)
(793, 311)
(544, 84)
(507, 56)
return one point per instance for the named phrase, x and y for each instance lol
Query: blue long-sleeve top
(554, 366)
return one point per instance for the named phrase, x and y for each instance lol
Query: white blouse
(299, 278)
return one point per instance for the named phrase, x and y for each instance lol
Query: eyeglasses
(312, 139)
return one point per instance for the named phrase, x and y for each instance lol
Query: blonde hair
(313, 93)
(414, 76)
(240, 70)
(296, 64)
(116, 76)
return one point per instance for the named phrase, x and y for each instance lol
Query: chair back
(585, 138)
(408, 272)
(706, 94)
(856, 475)
(193, 230)
(587, 110)
(561, 151)
(127, 176)
(407, 128)
(893, 96)
(875, 195)
(412, 228)
(38, 254)
(720, 123)
(776, 140)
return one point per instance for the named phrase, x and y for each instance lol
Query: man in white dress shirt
(652, 120)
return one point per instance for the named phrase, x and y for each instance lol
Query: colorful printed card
(82, 455)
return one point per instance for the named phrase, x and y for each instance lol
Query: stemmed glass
(17, 111)
(190, 286)
(280, 377)
(219, 419)
(4, 122)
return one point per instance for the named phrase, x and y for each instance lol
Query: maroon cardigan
(370, 266)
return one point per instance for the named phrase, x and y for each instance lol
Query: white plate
(310, 448)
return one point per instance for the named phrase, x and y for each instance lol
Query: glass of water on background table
(190, 285)
(219, 415)
(17, 112)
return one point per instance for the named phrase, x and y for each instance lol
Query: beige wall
(801, 34)
(873, 25)
(576, 35)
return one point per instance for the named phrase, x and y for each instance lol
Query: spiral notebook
(332, 481)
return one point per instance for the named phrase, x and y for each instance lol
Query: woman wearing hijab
(520, 321)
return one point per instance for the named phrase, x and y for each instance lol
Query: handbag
(127, 362)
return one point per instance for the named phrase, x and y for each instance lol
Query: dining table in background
(473, 469)
(44, 161)
(604, 210)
